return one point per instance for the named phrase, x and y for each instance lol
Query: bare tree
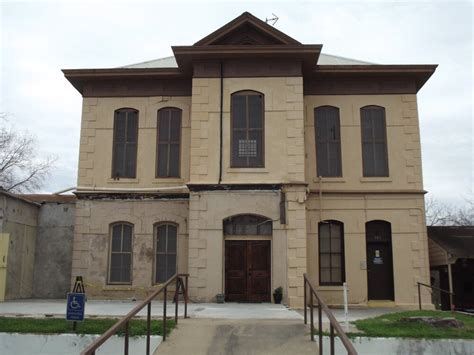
(442, 214)
(21, 170)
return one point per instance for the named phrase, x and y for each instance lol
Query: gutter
(82, 189)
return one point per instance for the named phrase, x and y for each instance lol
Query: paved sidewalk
(216, 337)
(40, 308)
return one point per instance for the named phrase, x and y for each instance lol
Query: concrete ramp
(238, 336)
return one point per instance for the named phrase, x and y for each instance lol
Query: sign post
(76, 301)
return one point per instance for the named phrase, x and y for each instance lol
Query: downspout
(320, 179)
(221, 122)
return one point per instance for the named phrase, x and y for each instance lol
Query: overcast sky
(40, 38)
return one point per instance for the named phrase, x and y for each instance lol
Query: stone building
(36, 235)
(247, 160)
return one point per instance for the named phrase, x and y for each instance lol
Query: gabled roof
(456, 240)
(246, 29)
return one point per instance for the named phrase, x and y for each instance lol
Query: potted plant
(278, 295)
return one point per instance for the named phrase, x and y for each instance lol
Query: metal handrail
(451, 294)
(124, 322)
(333, 323)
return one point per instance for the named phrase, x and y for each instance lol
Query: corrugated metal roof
(458, 241)
(170, 62)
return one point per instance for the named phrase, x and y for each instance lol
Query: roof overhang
(79, 77)
(307, 54)
(419, 73)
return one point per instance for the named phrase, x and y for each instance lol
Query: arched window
(168, 143)
(121, 252)
(166, 249)
(331, 253)
(247, 129)
(247, 224)
(124, 161)
(374, 141)
(328, 141)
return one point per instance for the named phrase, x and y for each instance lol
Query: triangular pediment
(247, 30)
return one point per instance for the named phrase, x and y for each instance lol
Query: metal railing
(333, 323)
(451, 303)
(124, 322)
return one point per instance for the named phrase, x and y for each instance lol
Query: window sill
(376, 179)
(247, 170)
(123, 181)
(330, 179)
(127, 287)
(330, 288)
(160, 181)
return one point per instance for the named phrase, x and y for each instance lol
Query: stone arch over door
(247, 258)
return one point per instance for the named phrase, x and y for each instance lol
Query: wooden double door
(247, 270)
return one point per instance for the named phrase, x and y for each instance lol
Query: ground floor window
(331, 253)
(166, 251)
(120, 265)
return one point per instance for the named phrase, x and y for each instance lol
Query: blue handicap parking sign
(75, 306)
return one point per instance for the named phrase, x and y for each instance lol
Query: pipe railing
(333, 323)
(451, 294)
(124, 322)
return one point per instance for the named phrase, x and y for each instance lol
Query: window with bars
(124, 154)
(328, 141)
(121, 252)
(247, 129)
(168, 143)
(166, 239)
(331, 253)
(374, 141)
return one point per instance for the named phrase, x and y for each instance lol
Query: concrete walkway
(224, 336)
(40, 308)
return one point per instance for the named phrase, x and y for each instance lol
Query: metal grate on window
(247, 148)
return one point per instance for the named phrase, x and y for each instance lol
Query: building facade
(247, 160)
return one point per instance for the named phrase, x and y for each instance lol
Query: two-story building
(247, 160)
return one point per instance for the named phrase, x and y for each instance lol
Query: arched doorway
(247, 258)
(378, 236)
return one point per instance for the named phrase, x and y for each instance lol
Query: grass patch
(137, 327)
(389, 325)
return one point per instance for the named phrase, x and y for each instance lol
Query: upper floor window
(124, 163)
(120, 264)
(374, 141)
(165, 252)
(328, 141)
(168, 142)
(331, 253)
(247, 129)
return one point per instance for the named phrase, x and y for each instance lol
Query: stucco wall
(403, 142)
(53, 251)
(409, 243)
(95, 155)
(19, 221)
(92, 242)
